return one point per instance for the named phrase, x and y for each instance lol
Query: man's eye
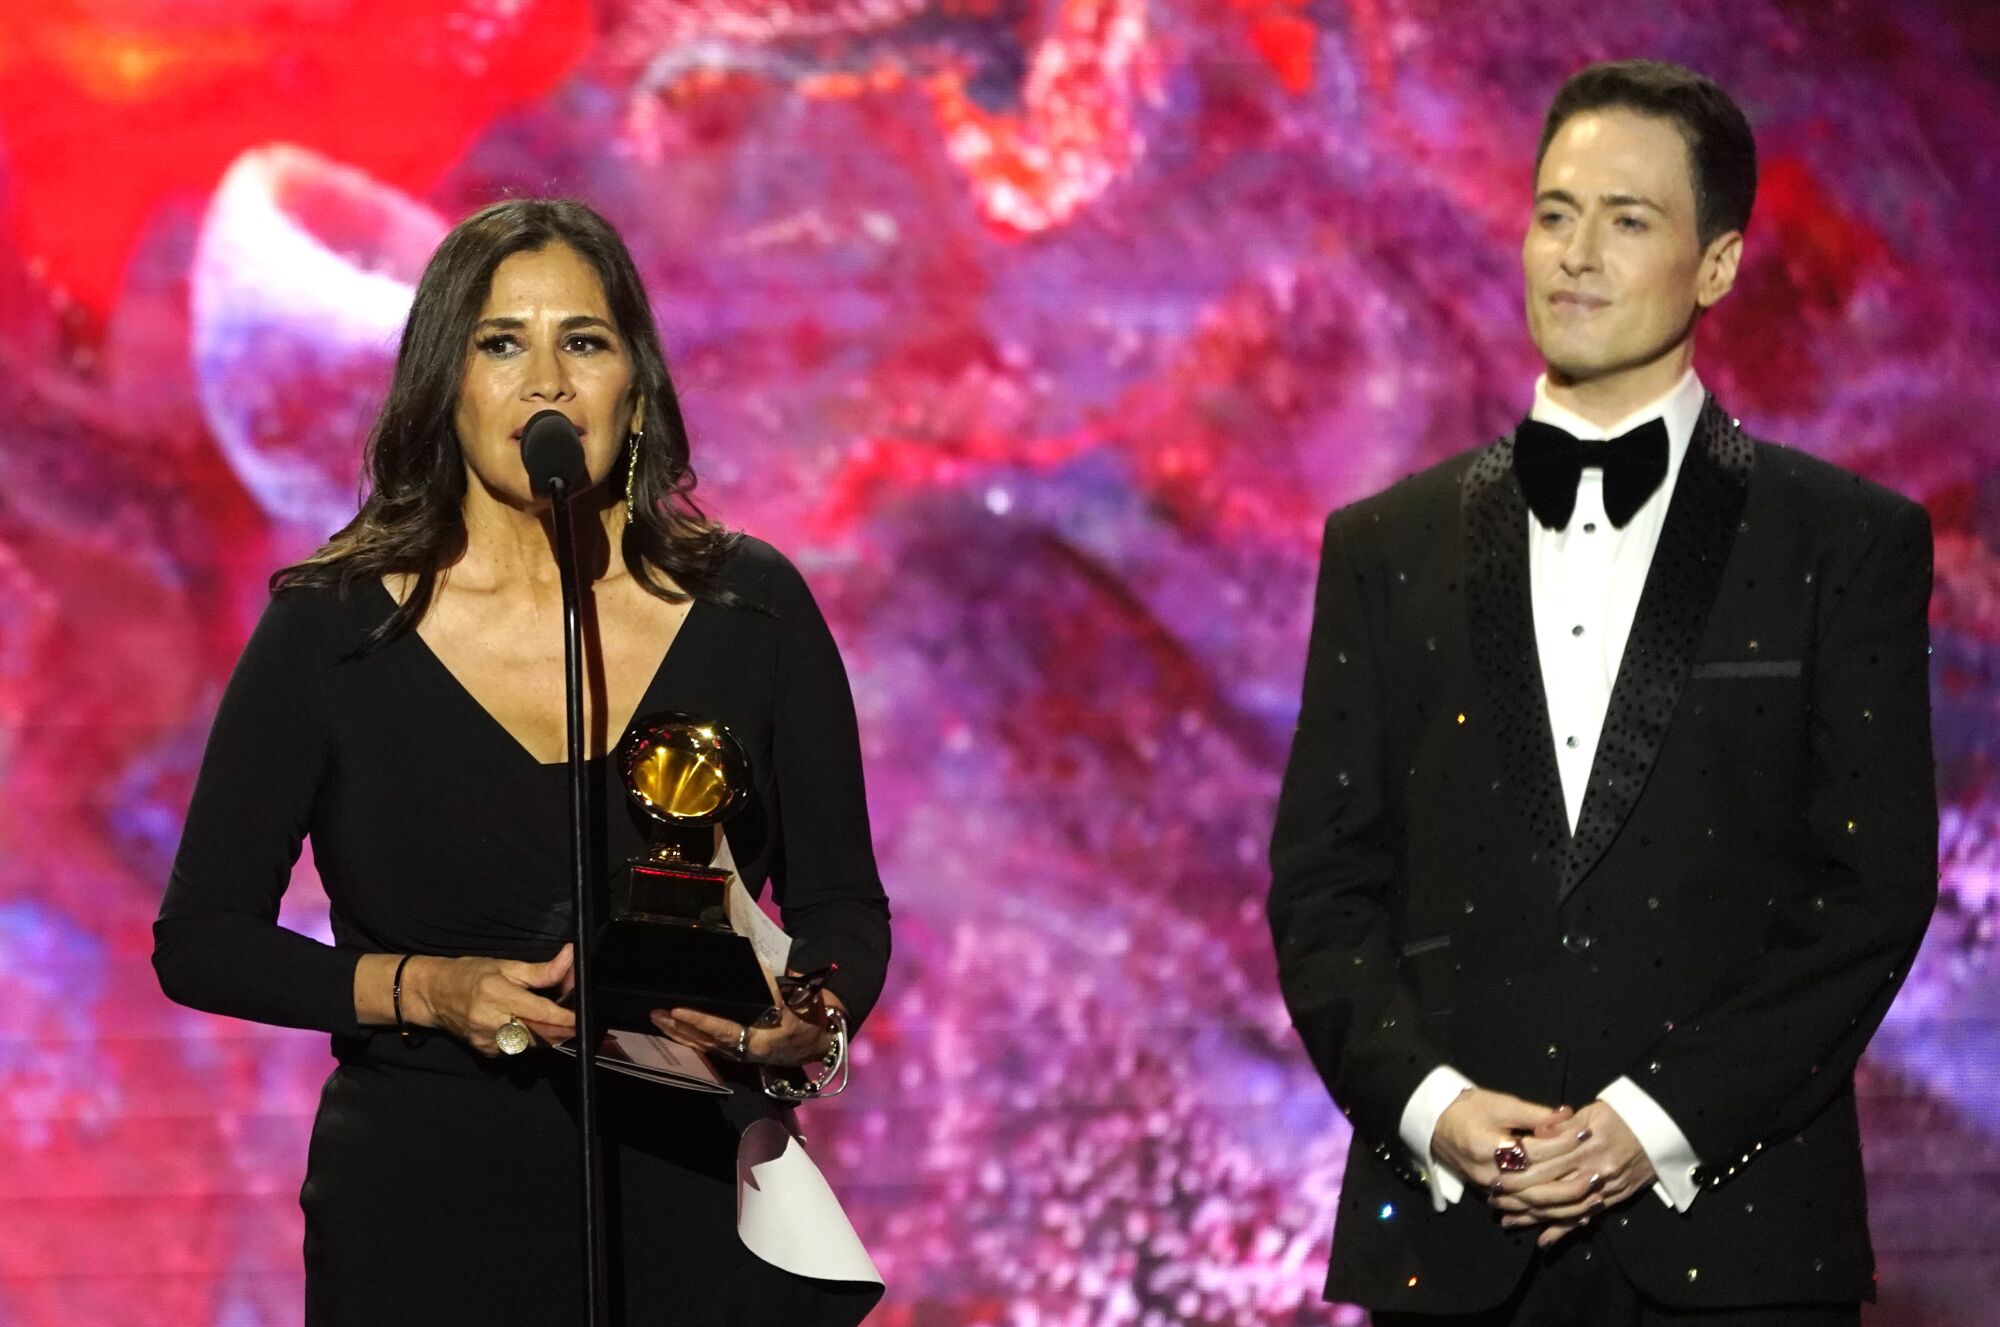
(1633, 224)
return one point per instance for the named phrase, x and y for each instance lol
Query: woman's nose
(547, 377)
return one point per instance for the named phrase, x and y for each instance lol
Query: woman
(401, 703)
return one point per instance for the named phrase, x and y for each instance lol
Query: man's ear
(1718, 268)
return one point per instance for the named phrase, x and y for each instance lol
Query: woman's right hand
(472, 998)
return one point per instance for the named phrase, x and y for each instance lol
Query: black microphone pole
(554, 458)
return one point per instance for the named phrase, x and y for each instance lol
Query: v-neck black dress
(441, 1185)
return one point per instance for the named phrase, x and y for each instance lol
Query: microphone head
(553, 454)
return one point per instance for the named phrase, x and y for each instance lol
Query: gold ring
(513, 1037)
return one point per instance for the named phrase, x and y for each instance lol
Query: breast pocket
(1738, 748)
(1725, 670)
(1752, 692)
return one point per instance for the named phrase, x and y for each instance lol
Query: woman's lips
(581, 431)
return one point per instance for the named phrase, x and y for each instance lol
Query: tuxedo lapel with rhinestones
(1501, 618)
(1680, 590)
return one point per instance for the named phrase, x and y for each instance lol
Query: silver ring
(742, 1040)
(513, 1037)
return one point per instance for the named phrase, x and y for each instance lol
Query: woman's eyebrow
(569, 324)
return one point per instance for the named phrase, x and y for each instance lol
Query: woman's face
(545, 340)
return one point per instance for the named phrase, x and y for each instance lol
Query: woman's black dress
(442, 1186)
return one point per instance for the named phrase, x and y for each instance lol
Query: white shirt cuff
(1420, 1117)
(1673, 1157)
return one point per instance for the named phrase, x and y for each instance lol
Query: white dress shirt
(1585, 580)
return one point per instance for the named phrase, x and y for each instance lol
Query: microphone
(553, 455)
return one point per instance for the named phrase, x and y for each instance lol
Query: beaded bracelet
(781, 1085)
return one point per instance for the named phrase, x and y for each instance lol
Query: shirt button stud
(1570, 742)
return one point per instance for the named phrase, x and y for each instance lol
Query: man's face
(1614, 270)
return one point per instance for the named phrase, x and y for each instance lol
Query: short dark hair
(1722, 154)
(411, 522)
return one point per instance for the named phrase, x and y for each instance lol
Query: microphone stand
(597, 1298)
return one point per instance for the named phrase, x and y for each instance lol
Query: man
(1612, 786)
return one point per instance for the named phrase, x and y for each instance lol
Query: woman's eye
(501, 344)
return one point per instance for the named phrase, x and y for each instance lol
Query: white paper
(773, 946)
(666, 1055)
(655, 1059)
(786, 1213)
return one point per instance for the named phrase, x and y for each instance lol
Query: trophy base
(638, 966)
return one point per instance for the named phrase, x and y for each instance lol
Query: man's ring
(742, 1040)
(513, 1038)
(1511, 1158)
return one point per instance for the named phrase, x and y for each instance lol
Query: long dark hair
(411, 522)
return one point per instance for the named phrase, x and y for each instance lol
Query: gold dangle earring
(632, 479)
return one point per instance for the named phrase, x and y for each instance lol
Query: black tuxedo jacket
(1752, 869)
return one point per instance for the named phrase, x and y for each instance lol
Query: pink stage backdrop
(1042, 333)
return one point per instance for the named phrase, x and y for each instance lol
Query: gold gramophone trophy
(667, 941)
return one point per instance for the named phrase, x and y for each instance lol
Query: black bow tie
(1549, 460)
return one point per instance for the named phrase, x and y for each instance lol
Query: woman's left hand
(795, 1040)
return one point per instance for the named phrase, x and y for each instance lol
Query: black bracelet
(396, 1001)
